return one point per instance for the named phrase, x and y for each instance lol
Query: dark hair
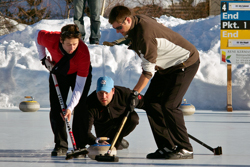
(118, 14)
(70, 31)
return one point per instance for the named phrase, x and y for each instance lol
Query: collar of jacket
(63, 65)
(135, 21)
(65, 53)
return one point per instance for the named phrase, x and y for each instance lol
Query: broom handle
(118, 133)
(63, 111)
(200, 142)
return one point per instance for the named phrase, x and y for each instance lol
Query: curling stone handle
(101, 138)
(29, 97)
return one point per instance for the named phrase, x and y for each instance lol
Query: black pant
(162, 101)
(57, 124)
(111, 127)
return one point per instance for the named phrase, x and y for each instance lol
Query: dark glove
(43, 61)
(134, 100)
(47, 63)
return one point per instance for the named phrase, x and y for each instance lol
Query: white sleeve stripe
(147, 66)
(170, 54)
(77, 92)
(40, 48)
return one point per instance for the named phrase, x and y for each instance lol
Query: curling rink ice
(26, 140)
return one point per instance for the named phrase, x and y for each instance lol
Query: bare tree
(109, 4)
(58, 6)
(33, 14)
(69, 6)
(32, 11)
(6, 25)
(29, 12)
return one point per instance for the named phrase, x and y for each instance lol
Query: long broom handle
(121, 127)
(200, 142)
(118, 133)
(63, 111)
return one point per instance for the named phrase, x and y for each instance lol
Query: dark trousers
(57, 124)
(162, 101)
(110, 128)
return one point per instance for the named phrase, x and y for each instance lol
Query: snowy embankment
(22, 74)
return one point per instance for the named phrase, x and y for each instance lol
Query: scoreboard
(235, 32)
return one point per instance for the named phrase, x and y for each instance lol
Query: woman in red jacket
(71, 60)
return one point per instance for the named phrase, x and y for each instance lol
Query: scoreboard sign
(235, 32)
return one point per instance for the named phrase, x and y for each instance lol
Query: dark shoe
(123, 145)
(181, 154)
(59, 152)
(165, 153)
(93, 42)
(109, 43)
(159, 153)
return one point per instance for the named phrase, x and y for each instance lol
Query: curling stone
(97, 149)
(29, 105)
(187, 108)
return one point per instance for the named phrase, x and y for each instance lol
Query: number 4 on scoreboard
(224, 6)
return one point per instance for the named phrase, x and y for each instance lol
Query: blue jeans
(95, 11)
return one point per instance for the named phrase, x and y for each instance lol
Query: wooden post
(103, 7)
(229, 88)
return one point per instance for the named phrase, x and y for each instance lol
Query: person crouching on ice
(107, 106)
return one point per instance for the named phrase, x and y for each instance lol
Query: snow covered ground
(21, 73)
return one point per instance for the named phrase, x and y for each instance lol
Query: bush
(33, 14)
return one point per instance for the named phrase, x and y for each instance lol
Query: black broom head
(75, 153)
(106, 158)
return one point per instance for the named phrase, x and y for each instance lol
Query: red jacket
(79, 63)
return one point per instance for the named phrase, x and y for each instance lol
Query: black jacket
(103, 116)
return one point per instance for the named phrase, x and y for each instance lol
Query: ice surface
(27, 140)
